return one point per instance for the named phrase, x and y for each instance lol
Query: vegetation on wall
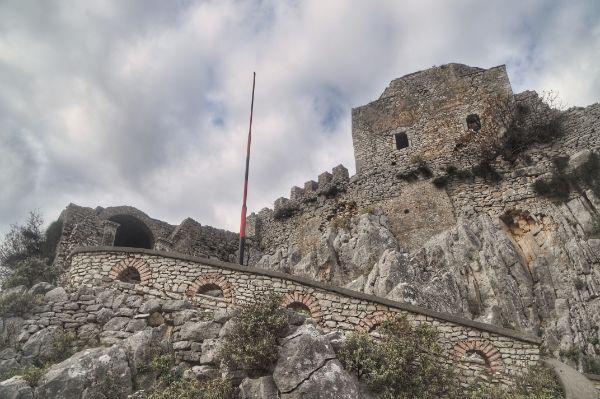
(524, 122)
(403, 362)
(252, 342)
(562, 182)
(484, 169)
(27, 253)
(538, 383)
(171, 383)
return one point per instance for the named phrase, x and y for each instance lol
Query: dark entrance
(132, 232)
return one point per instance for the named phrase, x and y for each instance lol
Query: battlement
(328, 185)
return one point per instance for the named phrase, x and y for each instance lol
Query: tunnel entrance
(132, 232)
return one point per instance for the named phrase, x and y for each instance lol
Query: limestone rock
(58, 294)
(302, 353)
(139, 348)
(329, 382)
(38, 347)
(15, 388)
(151, 306)
(258, 388)
(199, 331)
(85, 374)
(41, 288)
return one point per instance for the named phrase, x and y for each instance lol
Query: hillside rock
(15, 388)
(86, 374)
(537, 272)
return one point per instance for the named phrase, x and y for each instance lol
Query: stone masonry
(475, 348)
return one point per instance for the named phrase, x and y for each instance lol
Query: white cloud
(146, 103)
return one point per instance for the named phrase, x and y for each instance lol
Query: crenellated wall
(475, 348)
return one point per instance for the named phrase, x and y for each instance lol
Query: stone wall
(475, 348)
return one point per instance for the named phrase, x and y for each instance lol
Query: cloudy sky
(146, 103)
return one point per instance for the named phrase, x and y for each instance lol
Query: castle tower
(421, 115)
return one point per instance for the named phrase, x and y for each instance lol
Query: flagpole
(244, 209)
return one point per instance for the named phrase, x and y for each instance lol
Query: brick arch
(493, 358)
(215, 279)
(374, 319)
(132, 263)
(304, 299)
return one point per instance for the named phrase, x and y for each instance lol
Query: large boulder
(140, 348)
(58, 294)
(302, 353)
(87, 374)
(39, 346)
(329, 382)
(199, 331)
(259, 388)
(15, 388)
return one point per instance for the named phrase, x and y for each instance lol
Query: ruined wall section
(84, 226)
(431, 108)
(581, 133)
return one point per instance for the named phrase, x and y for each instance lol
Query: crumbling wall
(93, 227)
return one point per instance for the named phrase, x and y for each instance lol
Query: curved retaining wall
(478, 350)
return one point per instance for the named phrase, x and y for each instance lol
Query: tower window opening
(473, 122)
(401, 140)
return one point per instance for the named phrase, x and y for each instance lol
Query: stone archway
(302, 302)
(132, 232)
(211, 284)
(131, 270)
(373, 320)
(475, 350)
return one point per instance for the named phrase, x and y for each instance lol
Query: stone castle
(498, 268)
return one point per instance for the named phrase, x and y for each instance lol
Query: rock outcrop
(535, 272)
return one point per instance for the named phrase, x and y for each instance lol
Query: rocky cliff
(534, 272)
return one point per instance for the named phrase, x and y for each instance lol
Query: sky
(146, 103)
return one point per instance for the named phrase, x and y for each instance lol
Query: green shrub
(486, 171)
(26, 253)
(109, 388)
(538, 382)
(62, 346)
(187, 389)
(579, 283)
(252, 343)
(571, 354)
(558, 187)
(161, 360)
(33, 374)
(18, 304)
(30, 271)
(402, 364)
(440, 181)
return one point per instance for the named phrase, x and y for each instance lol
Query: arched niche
(132, 232)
